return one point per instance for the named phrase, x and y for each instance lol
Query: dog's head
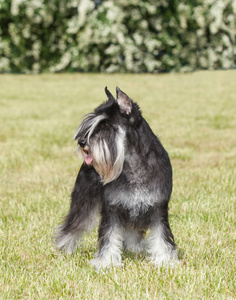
(102, 135)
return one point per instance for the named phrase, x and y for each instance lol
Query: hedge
(117, 36)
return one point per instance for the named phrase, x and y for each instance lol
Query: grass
(195, 117)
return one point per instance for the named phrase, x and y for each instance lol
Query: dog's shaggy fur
(126, 180)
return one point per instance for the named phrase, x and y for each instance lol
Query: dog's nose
(82, 143)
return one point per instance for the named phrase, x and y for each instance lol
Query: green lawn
(194, 115)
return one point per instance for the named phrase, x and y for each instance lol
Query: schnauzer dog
(126, 179)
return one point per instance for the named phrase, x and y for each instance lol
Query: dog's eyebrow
(95, 121)
(90, 122)
(83, 125)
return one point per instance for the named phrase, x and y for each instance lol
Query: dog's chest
(135, 197)
(136, 189)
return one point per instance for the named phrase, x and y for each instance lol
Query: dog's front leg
(110, 239)
(160, 243)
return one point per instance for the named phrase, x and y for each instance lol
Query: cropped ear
(124, 101)
(109, 95)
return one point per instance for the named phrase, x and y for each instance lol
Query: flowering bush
(116, 36)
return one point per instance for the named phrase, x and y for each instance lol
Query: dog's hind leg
(134, 240)
(110, 237)
(160, 243)
(84, 210)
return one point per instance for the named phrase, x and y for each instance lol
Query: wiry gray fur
(126, 181)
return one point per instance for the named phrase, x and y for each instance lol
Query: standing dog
(126, 178)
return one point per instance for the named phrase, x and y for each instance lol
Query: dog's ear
(124, 101)
(109, 95)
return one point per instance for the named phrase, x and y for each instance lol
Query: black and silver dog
(126, 179)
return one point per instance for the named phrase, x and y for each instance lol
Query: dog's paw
(66, 243)
(103, 263)
(164, 261)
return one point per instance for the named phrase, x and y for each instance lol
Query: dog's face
(102, 134)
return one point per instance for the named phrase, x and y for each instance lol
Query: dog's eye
(105, 125)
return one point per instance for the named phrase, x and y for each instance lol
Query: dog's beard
(107, 160)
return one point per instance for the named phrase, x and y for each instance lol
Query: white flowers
(115, 36)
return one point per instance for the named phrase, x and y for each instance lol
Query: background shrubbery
(117, 36)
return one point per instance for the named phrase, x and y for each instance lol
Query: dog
(126, 180)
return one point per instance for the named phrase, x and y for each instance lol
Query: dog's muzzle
(82, 143)
(86, 151)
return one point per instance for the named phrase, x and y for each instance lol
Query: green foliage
(117, 36)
